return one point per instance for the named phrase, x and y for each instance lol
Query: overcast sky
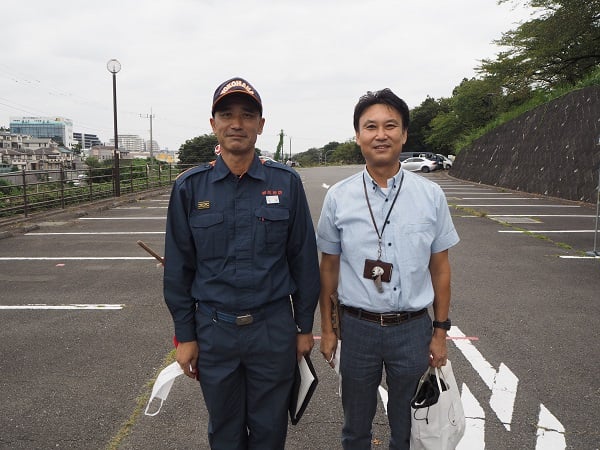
(310, 60)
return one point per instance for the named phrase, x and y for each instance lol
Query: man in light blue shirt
(384, 234)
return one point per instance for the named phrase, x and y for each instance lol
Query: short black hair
(382, 97)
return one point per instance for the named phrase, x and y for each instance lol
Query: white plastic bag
(440, 425)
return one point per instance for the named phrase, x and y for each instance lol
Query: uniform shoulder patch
(194, 170)
(277, 165)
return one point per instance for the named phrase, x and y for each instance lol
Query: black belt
(384, 319)
(239, 319)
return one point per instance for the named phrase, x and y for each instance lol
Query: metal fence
(26, 192)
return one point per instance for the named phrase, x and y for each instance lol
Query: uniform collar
(256, 169)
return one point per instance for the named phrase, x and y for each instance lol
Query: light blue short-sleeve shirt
(419, 225)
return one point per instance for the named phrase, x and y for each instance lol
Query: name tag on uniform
(272, 199)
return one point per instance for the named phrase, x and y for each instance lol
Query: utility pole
(150, 116)
(280, 153)
(596, 252)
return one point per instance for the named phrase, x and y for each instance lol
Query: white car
(419, 164)
(446, 162)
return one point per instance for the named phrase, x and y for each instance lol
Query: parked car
(406, 155)
(446, 162)
(419, 164)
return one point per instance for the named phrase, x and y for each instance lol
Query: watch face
(113, 66)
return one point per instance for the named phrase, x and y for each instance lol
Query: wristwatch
(445, 325)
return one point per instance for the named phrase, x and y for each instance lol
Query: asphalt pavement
(85, 330)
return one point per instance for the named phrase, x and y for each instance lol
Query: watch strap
(445, 325)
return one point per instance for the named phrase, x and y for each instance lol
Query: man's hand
(187, 357)
(328, 346)
(438, 350)
(304, 344)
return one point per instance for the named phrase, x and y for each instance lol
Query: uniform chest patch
(204, 204)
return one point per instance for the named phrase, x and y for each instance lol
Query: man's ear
(261, 126)
(212, 123)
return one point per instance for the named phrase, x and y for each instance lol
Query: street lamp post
(113, 67)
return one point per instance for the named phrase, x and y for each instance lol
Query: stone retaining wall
(552, 150)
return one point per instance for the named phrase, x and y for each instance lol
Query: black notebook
(305, 382)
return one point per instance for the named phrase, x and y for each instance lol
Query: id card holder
(370, 270)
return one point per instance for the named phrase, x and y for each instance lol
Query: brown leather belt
(384, 319)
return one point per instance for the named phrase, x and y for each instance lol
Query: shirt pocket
(272, 229)
(415, 243)
(209, 235)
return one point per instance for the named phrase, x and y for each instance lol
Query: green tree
(557, 46)
(76, 148)
(420, 124)
(311, 157)
(476, 101)
(446, 129)
(331, 146)
(198, 150)
(92, 161)
(347, 153)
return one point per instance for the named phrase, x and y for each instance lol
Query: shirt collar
(391, 182)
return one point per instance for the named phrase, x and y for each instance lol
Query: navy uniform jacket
(238, 244)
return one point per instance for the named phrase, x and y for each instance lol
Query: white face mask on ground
(163, 384)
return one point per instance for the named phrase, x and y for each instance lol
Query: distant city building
(155, 147)
(130, 142)
(86, 140)
(166, 156)
(106, 152)
(59, 129)
(10, 140)
(29, 153)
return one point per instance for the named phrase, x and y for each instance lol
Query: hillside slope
(552, 150)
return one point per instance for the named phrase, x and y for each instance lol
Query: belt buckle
(246, 319)
(389, 320)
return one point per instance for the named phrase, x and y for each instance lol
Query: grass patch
(470, 211)
(139, 407)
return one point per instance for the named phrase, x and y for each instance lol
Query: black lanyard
(380, 235)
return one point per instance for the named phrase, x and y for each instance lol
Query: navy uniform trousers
(246, 374)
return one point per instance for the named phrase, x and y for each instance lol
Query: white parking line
(122, 218)
(69, 307)
(579, 257)
(142, 207)
(546, 231)
(519, 206)
(499, 198)
(540, 215)
(94, 232)
(74, 258)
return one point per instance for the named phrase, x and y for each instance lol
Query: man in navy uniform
(239, 246)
